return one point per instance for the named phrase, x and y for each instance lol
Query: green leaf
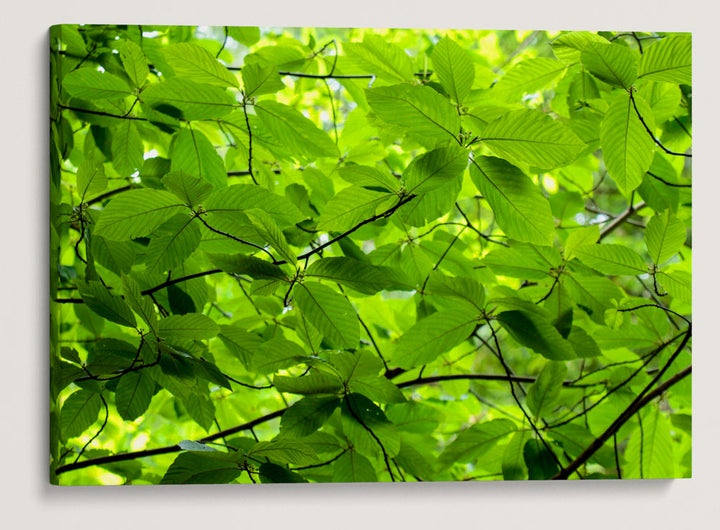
(193, 153)
(433, 335)
(586, 235)
(246, 35)
(457, 288)
(269, 231)
(594, 294)
(307, 416)
(367, 177)
(194, 101)
(415, 416)
(137, 213)
(454, 67)
(664, 236)
(513, 463)
(135, 63)
(649, 453)
(544, 392)
(434, 169)
(275, 474)
(330, 313)
(202, 467)
(475, 441)
(240, 342)
(142, 305)
(583, 344)
(313, 383)
(90, 84)
(627, 147)
(259, 80)
(253, 267)
(79, 411)
(190, 326)
(532, 137)
(358, 365)
(366, 426)
(377, 388)
(172, 243)
(358, 275)
(519, 207)
(612, 259)
(612, 63)
(568, 47)
(91, 179)
(678, 283)
(97, 297)
(527, 76)
(278, 354)
(540, 463)
(421, 112)
(284, 452)
(353, 467)
(294, 131)
(382, 58)
(127, 148)
(532, 330)
(518, 262)
(190, 61)
(668, 60)
(240, 197)
(191, 190)
(133, 394)
(576, 438)
(350, 207)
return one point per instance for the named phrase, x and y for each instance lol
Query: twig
(167, 449)
(661, 146)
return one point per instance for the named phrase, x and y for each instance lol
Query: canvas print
(286, 254)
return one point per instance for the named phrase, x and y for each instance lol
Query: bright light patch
(140, 441)
(150, 154)
(550, 184)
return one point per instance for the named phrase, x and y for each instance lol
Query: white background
(26, 499)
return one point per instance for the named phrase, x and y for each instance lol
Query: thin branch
(620, 219)
(101, 429)
(370, 431)
(483, 377)
(386, 213)
(653, 175)
(620, 421)
(239, 240)
(101, 113)
(108, 194)
(661, 146)
(179, 280)
(250, 144)
(509, 374)
(167, 449)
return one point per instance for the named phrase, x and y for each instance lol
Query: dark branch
(101, 113)
(638, 403)
(167, 449)
(661, 146)
(620, 219)
(386, 213)
(482, 377)
(107, 194)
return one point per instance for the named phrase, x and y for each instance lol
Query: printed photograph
(297, 255)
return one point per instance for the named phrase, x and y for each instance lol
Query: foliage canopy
(312, 255)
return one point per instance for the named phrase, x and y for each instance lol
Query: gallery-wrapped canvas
(368, 255)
